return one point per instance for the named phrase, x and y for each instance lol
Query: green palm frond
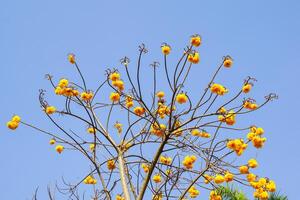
(277, 196)
(230, 193)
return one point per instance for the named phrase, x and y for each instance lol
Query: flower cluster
(86, 96)
(90, 180)
(165, 160)
(59, 149)
(193, 192)
(228, 62)
(250, 104)
(214, 195)
(189, 161)
(14, 122)
(238, 145)
(255, 135)
(203, 133)
(157, 178)
(63, 89)
(158, 130)
(194, 57)
(218, 89)
(111, 165)
(116, 81)
(181, 98)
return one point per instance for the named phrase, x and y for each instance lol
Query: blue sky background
(35, 37)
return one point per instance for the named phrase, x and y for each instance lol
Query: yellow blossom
(193, 192)
(50, 110)
(91, 130)
(181, 98)
(92, 147)
(119, 197)
(219, 179)
(246, 88)
(139, 110)
(86, 96)
(252, 163)
(52, 141)
(71, 58)
(189, 161)
(111, 164)
(218, 89)
(90, 180)
(157, 178)
(244, 169)
(228, 177)
(12, 125)
(114, 76)
(196, 40)
(145, 167)
(166, 49)
(160, 94)
(114, 96)
(59, 148)
(228, 62)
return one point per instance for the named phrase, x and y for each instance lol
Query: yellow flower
(16, 118)
(189, 161)
(52, 141)
(244, 169)
(157, 178)
(118, 126)
(214, 195)
(271, 186)
(251, 177)
(207, 178)
(160, 94)
(86, 96)
(247, 88)
(111, 164)
(219, 179)
(114, 96)
(181, 98)
(129, 104)
(166, 49)
(194, 58)
(193, 192)
(145, 167)
(12, 125)
(119, 84)
(50, 110)
(195, 132)
(250, 105)
(258, 141)
(158, 130)
(237, 145)
(114, 76)
(129, 101)
(218, 89)
(63, 83)
(227, 62)
(71, 58)
(259, 131)
(139, 111)
(252, 163)
(92, 147)
(90, 180)
(119, 197)
(196, 40)
(165, 160)
(59, 148)
(91, 130)
(228, 177)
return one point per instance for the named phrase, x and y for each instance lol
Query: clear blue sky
(35, 37)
